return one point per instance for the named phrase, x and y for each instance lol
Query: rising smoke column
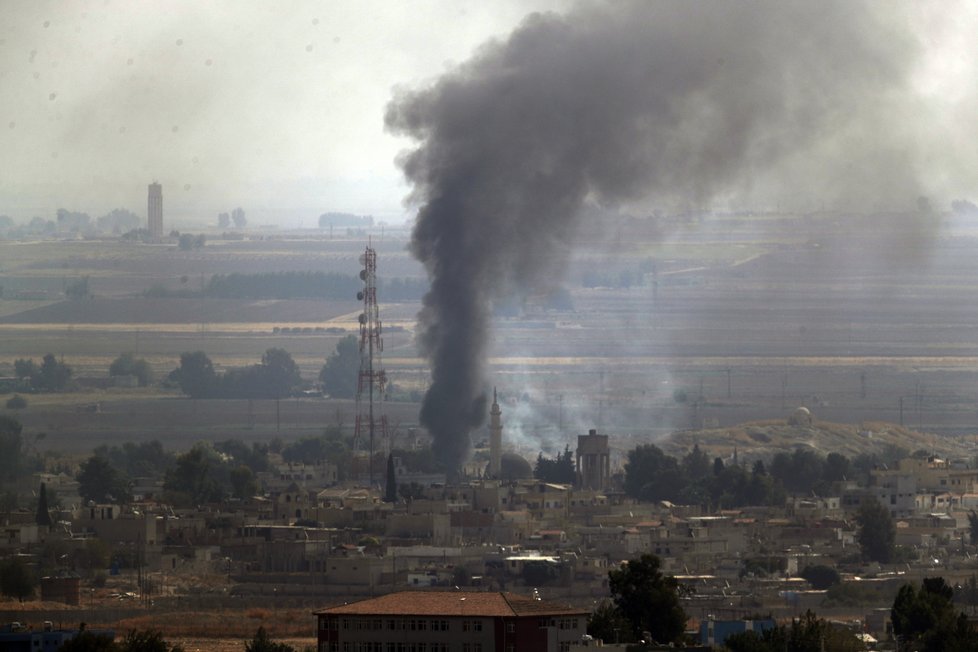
(617, 102)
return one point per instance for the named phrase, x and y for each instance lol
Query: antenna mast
(372, 381)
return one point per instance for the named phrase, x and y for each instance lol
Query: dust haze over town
(658, 220)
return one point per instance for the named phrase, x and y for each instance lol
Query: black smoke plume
(615, 103)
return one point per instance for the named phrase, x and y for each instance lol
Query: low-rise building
(440, 621)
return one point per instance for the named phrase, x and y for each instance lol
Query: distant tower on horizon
(154, 211)
(495, 437)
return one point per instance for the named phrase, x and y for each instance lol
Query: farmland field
(737, 320)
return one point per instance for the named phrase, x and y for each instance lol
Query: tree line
(276, 376)
(695, 479)
(297, 285)
(52, 375)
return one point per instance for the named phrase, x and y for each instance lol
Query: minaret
(495, 437)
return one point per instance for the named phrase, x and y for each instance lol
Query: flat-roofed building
(451, 621)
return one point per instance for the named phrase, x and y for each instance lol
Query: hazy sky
(274, 106)
(278, 107)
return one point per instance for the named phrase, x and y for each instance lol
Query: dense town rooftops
(453, 603)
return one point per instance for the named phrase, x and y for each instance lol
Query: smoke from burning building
(618, 103)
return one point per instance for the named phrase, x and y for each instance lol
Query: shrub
(16, 402)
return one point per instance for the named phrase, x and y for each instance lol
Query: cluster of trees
(651, 474)
(213, 472)
(52, 375)
(332, 445)
(276, 376)
(19, 457)
(964, 207)
(101, 482)
(117, 221)
(561, 470)
(924, 618)
(78, 289)
(189, 241)
(16, 579)
(203, 475)
(339, 375)
(11, 447)
(806, 634)
(877, 532)
(206, 473)
(328, 220)
(237, 216)
(643, 600)
(128, 365)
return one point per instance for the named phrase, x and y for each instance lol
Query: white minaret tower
(495, 437)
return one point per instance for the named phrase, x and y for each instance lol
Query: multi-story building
(154, 211)
(450, 621)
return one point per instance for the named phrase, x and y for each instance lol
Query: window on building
(510, 628)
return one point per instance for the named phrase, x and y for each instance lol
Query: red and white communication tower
(372, 382)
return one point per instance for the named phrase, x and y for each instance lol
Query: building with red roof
(450, 621)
